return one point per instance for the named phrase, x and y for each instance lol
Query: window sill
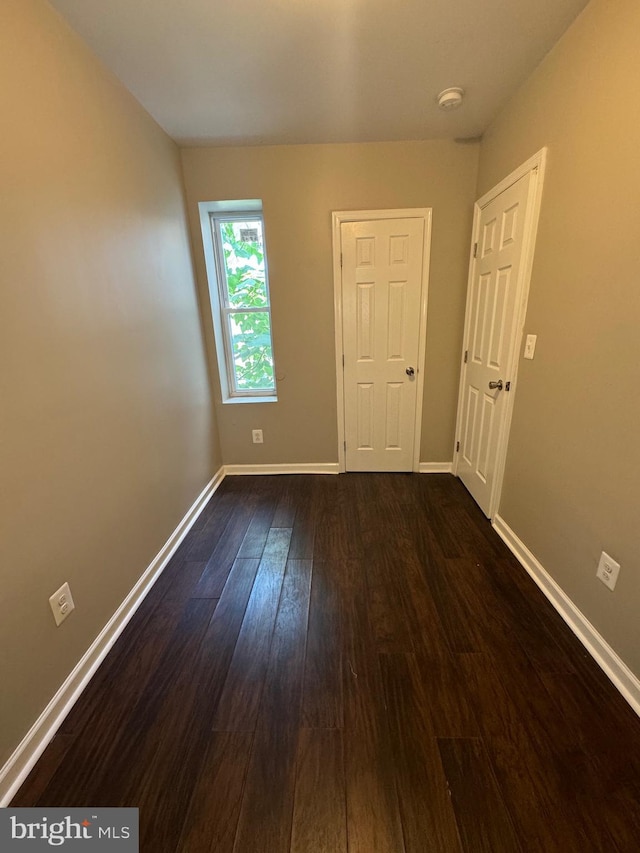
(270, 399)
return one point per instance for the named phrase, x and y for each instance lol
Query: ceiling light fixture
(450, 99)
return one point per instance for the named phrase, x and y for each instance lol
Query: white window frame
(210, 211)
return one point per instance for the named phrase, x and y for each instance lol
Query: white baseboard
(435, 467)
(18, 767)
(610, 662)
(284, 468)
(320, 468)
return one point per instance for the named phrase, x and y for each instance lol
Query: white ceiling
(292, 71)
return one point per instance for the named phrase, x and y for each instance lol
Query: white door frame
(338, 217)
(537, 165)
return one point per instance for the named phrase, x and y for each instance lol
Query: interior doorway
(504, 230)
(381, 267)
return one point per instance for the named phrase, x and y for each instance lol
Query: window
(236, 259)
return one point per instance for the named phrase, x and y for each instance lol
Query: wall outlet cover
(61, 603)
(608, 570)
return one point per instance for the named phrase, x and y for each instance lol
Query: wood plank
(256, 536)
(448, 532)
(428, 820)
(489, 616)
(450, 704)
(212, 818)
(524, 768)
(373, 816)
(169, 579)
(267, 804)
(172, 766)
(219, 564)
(178, 587)
(319, 814)
(285, 513)
(238, 706)
(338, 531)
(606, 768)
(403, 612)
(391, 621)
(422, 614)
(219, 642)
(322, 702)
(283, 687)
(458, 618)
(436, 496)
(267, 807)
(593, 716)
(304, 527)
(482, 817)
(277, 544)
(476, 537)
(204, 539)
(573, 778)
(523, 618)
(385, 522)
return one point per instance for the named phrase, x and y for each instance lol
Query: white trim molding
(435, 468)
(18, 767)
(607, 658)
(283, 468)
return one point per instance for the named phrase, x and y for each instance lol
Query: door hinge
(343, 360)
(475, 250)
(340, 259)
(457, 447)
(507, 387)
(345, 444)
(466, 355)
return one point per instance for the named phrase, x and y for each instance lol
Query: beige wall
(572, 483)
(106, 419)
(300, 186)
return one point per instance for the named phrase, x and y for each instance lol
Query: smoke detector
(450, 99)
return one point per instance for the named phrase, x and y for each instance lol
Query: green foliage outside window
(250, 331)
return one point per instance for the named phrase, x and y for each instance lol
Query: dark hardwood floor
(351, 663)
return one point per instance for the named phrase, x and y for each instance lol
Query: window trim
(210, 213)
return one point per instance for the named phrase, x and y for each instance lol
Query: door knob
(494, 385)
(409, 371)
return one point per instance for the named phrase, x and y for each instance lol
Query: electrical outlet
(256, 434)
(608, 570)
(61, 603)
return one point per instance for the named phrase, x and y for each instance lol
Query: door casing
(338, 218)
(537, 165)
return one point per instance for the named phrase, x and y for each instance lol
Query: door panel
(492, 311)
(381, 296)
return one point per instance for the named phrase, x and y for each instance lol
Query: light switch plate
(530, 346)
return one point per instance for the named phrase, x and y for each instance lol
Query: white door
(382, 269)
(491, 326)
